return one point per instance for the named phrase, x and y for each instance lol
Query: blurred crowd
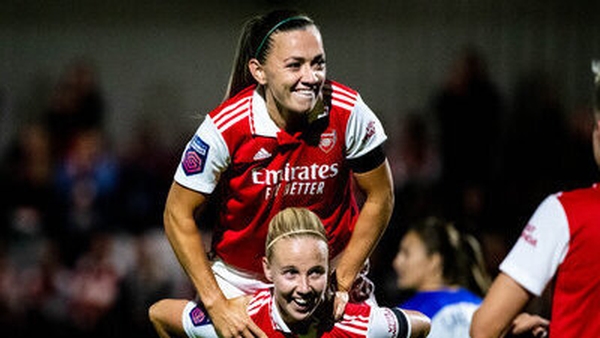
(82, 250)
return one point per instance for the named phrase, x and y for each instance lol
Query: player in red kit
(297, 263)
(561, 241)
(284, 136)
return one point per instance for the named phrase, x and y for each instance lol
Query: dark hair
(462, 259)
(596, 98)
(255, 42)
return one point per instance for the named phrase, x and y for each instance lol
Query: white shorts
(235, 283)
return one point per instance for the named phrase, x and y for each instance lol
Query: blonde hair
(293, 222)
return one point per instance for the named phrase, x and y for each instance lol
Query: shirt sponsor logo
(295, 180)
(370, 131)
(527, 235)
(195, 156)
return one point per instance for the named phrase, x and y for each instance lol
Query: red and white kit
(563, 238)
(256, 169)
(359, 320)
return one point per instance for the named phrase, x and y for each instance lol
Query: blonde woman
(298, 303)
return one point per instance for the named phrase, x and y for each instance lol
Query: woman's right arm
(501, 305)
(229, 316)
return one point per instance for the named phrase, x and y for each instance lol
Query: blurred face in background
(415, 267)
(596, 138)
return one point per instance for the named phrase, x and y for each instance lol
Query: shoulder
(341, 96)
(581, 208)
(581, 196)
(232, 119)
(260, 300)
(233, 112)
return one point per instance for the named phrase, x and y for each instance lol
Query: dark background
(82, 250)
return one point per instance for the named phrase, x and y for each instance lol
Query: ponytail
(463, 262)
(255, 42)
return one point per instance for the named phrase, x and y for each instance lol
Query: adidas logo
(262, 154)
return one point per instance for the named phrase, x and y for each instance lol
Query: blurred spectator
(535, 147)
(415, 159)
(468, 109)
(146, 175)
(80, 249)
(581, 169)
(87, 180)
(26, 184)
(557, 249)
(415, 163)
(94, 285)
(154, 274)
(76, 104)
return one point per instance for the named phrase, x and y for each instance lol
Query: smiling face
(298, 269)
(293, 73)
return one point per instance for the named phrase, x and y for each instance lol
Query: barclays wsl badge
(198, 317)
(195, 156)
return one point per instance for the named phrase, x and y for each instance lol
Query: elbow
(424, 326)
(476, 329)
(390, 201)
(168, 217)
(420, 324)
(476, 333)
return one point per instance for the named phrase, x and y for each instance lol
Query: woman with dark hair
(284, 136)
(445, 270)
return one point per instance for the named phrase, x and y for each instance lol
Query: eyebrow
(300, 58)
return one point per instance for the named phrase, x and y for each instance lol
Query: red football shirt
(359, 320)
(239, 155)
(562, 240)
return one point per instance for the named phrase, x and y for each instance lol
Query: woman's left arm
(378, 187)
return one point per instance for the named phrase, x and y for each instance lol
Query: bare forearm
(188, 246)
(186, 241)
(369, 228)
(503, 302)
(370, 225)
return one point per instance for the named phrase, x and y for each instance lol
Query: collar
(280, 325)
(276, 318)
(263, 125)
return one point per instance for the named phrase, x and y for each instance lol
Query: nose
(309, 75)
(397, 262)
(303, 285)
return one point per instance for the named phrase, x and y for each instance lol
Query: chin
(301, 317)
